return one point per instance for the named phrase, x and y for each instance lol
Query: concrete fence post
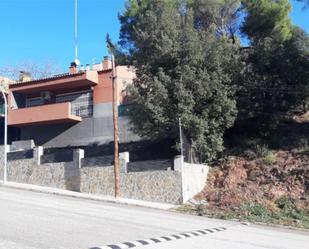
(178, 163)
(124, 159)
(37, 153)
(179, 166)
(78, 154)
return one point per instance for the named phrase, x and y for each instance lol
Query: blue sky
(43, 30)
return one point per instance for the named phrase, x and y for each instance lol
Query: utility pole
(115, 119)
(5, 136)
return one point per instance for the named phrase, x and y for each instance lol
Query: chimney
(107, 63)
(73, 68)
(24, 76)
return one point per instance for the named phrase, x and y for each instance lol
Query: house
(71, 109)
(12, 132)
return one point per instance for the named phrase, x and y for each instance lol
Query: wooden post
(115, 119)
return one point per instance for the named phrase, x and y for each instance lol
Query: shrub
(253, 210)
(270, 158)
(200, 210)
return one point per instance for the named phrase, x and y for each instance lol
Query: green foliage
(182, 72)
(285, 204)
(276, 74)
(270, 158)
(288, 209)
(287, 213)
(267, 19)
(219, 15)
(187, 57)
(253, 210)
(200, 210)
(283, 211)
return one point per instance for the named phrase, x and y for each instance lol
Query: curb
(67, 193)
(146, 242)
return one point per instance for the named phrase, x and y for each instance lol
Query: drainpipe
(5, 136)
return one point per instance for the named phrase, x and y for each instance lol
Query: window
(34, 102)
(81, 102)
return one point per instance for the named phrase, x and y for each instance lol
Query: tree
(276, 75)
(221, 15)
(37, 70)
(267, 18)
(182, 72)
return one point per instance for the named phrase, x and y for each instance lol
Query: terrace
(63, 98)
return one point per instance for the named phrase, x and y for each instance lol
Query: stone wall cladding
(97, 180)
(56, 175)
(165, 186)
(155, 186)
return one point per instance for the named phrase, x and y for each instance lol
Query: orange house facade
(72, 109)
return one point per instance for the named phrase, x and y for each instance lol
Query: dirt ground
(248, 186)
(241, 180)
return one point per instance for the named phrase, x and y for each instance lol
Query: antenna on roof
(75, 34)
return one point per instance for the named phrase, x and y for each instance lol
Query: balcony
(44, 114)
(58, 83)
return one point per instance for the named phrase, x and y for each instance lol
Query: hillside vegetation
(261, 180)
(242, 109)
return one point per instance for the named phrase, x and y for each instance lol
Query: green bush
(285, 203)
(253, 210)
(200, 210)
(270, 158)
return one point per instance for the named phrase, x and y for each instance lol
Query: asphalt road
(33, 220)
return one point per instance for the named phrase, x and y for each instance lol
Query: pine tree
(275, 78)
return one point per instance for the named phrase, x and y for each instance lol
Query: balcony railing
(44, 114)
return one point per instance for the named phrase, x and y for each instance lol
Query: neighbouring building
(13, 133)
(71, 109)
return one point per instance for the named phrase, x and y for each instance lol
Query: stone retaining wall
(165, 186)
(155, 186)
(63, 175)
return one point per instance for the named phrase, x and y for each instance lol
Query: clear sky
(43, 30)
